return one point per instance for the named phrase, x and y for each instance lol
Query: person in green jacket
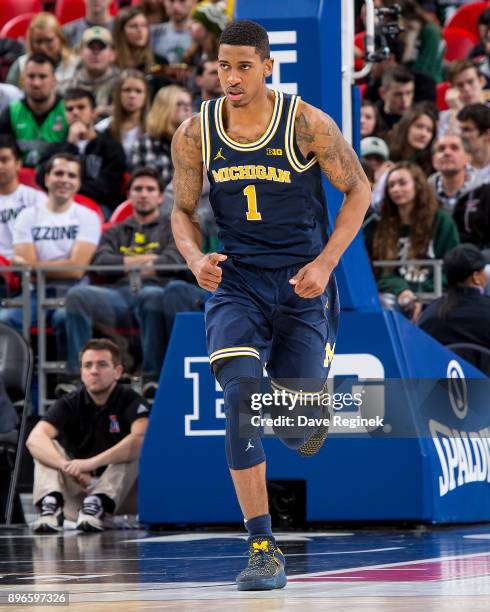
(411, 225)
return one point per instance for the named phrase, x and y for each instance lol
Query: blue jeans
(154, 308)
(54, 318)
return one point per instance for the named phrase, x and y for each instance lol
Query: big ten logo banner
(204, 406)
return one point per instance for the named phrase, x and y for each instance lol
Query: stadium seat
(466, 17)
(11, 279)
(14, 8)
(69, 10)
(122, 212)
(27, 176)
(459, 43)
(17, 27)
(89, 203)
(441, 89)
(359, 44)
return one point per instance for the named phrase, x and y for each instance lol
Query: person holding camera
(410, 226)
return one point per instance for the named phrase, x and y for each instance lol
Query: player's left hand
(310, 280)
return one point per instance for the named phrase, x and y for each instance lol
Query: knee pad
(240, 379)
(294, 404)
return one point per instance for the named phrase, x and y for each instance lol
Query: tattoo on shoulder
(186, 156)
(302, 130)
(192, 131)
(336, 157)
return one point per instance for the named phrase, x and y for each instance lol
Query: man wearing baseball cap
(463, 315)
(97, 73)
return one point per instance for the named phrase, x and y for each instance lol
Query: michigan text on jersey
(237, 173)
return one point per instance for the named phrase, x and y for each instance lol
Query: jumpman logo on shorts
(249, 446)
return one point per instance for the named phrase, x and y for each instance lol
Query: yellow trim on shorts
(234, 351)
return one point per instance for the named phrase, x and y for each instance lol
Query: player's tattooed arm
(187, 180)
(317, 134)
(187, 183)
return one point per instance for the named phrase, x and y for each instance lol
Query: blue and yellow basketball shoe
(265, 569)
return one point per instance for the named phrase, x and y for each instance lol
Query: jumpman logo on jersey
(250, 445)
(219, 155)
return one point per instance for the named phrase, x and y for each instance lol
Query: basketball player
(275, 298)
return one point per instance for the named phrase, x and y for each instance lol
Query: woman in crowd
(410, 226)
(130, 107)
(371, 122)
(46, 36)
(411, 139)
(171, 106)
(132, 44)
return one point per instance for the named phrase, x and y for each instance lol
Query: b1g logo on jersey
(114, 424)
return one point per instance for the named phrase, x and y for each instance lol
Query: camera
(386, 32)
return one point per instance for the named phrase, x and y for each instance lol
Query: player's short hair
(9, 142)
(78, 93)
(41, 58)
(244, 32)
(148, 171)
(102, 344)
(478, 113)
(397, 74)
(67, 157)
(458, 66)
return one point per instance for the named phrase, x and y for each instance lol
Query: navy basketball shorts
(256, 313)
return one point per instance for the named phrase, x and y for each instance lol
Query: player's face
(63, 181)
(9, 167)
(242, 73)
(401, 187)
(421, 132)
(450, 156)
(98, 371)
(145, 195)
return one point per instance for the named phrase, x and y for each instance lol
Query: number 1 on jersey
(252, 213)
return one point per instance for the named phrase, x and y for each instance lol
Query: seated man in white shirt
(55, 233)
(14, 197)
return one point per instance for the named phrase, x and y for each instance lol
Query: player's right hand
(207, 270)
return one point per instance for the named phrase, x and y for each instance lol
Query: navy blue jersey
(267, 198)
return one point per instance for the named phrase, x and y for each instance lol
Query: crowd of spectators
(88, 111)
(91, 107)
(425, 143)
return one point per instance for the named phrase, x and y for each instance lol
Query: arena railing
(38, 279)
(427, 296)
